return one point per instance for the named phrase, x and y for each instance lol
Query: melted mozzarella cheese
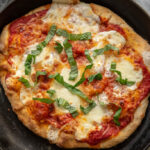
(86, 122)
(77, 18)
(84, 129)
(127, 70)
(59, 39)
(18, 65)
(47, 57)
(25, 94)
(103, 98)
(109, 37)
(98, 63)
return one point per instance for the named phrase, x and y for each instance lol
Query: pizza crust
(68, 140)
(66, 1)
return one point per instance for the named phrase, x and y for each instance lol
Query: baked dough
(67, 140)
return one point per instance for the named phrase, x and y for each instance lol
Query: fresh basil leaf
(39, 73)
(28, 64)
(74, 37)
(58, 47)
(102, 104)
(120, 79)
(71, 60)
(88, 56)
(130, 83)
(113, 65)
(51, 92)
(70, 87)
(102, 50)
(53, 75)
(62, 32)
(63, 103)
(97, 76)
(31, 57)
(82, 79)
(81, 37)
(25, 82)
(89, 108)
(50, 35)
(43, 100)
(116, 116)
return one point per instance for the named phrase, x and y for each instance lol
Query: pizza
(76, 74)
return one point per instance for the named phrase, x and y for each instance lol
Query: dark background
(13, 135)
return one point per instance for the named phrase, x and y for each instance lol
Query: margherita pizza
(76, 74)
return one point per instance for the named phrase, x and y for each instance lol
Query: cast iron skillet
(14, 136)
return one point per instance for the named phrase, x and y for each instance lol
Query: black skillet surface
(14, 136)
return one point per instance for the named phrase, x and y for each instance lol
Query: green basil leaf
(71, 60)
(97, 76)
(120, 79)
(25, 82)
(82, 77)
(81, 37)
(51, 92)
(89, 108)
(43, 100)
(102, 104)
(106, 48)
(130, 83)
(50, 35)
(28, 64)
(52, 76)
(63, 103)
(62, 32)
(39, 73)
(70, 87)
(88, 56)
(58, 47)
(116, 116)
(74, 37)
(31, 57)
(113, 65)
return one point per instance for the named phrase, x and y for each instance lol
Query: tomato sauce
(106, 26)
(45, 113)
(18, 25)
(25, 31)
(105, 132)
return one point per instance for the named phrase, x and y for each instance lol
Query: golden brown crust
(66, 1)
(68, 140)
